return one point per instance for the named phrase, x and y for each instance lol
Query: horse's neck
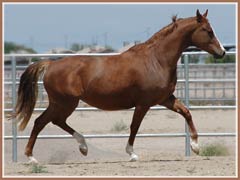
(168, 49)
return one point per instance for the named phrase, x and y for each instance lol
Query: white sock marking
(80, 139)
(195, 147)
(32, 160)
(133, 157)
(129, 150)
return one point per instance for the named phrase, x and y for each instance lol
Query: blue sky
(46, 26)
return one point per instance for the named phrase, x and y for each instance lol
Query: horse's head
(204, 37)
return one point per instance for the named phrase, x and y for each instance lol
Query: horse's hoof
(133, 157)
(32, 160)
(195, 147)
(83, 149)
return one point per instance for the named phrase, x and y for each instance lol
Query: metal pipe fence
(91, 136)
(186, 81)
(221, 88)
(222, 91)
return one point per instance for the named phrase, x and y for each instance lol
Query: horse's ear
(199, 16)
(205, 14)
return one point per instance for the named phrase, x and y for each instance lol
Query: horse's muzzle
(218, 56)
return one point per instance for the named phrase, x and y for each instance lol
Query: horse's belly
(109, 102)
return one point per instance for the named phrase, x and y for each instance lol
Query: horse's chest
(165, 84)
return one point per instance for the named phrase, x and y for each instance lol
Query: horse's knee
(186, 113)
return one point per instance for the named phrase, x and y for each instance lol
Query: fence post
(14, 121)
(186, 74)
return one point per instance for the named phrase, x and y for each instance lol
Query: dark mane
(163, 33)
(168, 29)
(160, 34)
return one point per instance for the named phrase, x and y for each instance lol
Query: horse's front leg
(174, 104)
(138, 116)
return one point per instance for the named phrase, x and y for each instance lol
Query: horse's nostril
(224, 52)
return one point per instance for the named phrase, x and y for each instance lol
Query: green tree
(76, 47)
(13, 47)
(225, 59)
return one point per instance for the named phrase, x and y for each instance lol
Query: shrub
(119, 126)
(38, 169)
(214, 150)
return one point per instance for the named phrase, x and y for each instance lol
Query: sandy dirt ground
(106, 157)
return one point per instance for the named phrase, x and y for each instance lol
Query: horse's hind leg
(39, 124)
(58, 116)
(62, 113)
(174, 104)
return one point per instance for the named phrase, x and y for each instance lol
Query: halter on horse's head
(205, 38)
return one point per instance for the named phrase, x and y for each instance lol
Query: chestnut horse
(141, 77)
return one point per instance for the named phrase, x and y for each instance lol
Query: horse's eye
(210, 33)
